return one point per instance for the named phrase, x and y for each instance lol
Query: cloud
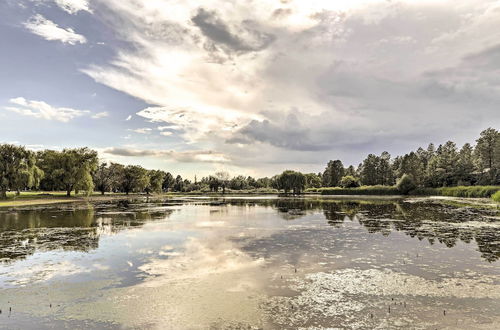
(277, 80)
(145, 130)
(128, 118)
(49, 30)
(73, 6)
(42, 110)
(180, 156)
(100, 115)
(166, 133)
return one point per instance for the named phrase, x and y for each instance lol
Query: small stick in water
(295, 269)
(444, 312)
(389, 309)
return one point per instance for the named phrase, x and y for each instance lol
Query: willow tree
(290, 181)
(18, 169)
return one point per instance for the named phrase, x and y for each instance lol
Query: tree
(412, 165)
(70, 169)
(291, 181)
(156, 179)
(313, 180)
(135, 179)
(369, 170)
(213, 183)
(17, 169)
(464, 169)
(349, 181)
(238, 183)
(179, 184)
(385, 173)
(406, 184)
(333, 173)
(168, 182)
(488, 154)
(103, 178)
(223, 178)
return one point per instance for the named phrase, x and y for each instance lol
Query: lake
(250, 263)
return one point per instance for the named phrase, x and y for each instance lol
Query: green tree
(412, 165)
(385, 173)
(17, 169)
(465, 168)
(179, 183)
(103, 178)
(156, 179)
(223, 178)
(406, 184)
(313, 180)
(168, 182)
(349, 181)
(369, 170)
(488, 155)
(333, 173)
(291, 181)
(135, 179)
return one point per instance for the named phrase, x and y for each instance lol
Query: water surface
(272, 263)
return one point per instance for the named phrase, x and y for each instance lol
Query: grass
(363, 190)
(469, 191)
(496, 197)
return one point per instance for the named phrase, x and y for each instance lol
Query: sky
(250, 87)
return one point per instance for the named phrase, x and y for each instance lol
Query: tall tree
(384, 170)
(135, 179)
(17, 169)
(168, 182)
(369, 170)
(333, 173)
(488, 154)
(156, 179)
(291, 181)
(223, 178)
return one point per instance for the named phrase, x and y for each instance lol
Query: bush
(406, 184)
(496, 196)
(349, 181)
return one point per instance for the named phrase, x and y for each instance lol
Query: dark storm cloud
(244, 39)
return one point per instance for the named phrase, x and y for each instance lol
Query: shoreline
(49, 199)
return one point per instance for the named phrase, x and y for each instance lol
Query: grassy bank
(461, 191)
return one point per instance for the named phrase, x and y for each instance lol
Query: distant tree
(349, 181)
(135, 179)
(223, 178)
(465, 168)
(369, 170)
(333, 173)
(18, 169)
(488, 154)
(156, 179)
(168, 182)
(213, 183)
(291, 181)
(238, 183)
(384, 170)
(350, 171)
(179, 183)
(313, 180)
(264, 182)
(412, 165)
(103, 178)
(70, 169)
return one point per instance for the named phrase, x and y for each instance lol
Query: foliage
(70, 169)
(17, 169)
(135, 179)
(156, 179)
(349, 182)
(406, 184)
(469, 191)
(496, 196)
(290, 181)
(333, 173)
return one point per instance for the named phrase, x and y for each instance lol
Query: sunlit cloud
(207, 156)
(73, 6)
(42, 110)
(49, 30)
(100, 115)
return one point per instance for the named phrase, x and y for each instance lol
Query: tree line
(80, 170)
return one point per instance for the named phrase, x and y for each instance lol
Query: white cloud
(144, 130)
(42, 110)
(273, 80)
(100, 115)
(166, 133)
(73, 6)
(49, 30)
(128, 118)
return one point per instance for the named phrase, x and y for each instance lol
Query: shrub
(496, 196)
(406, 184)
(349, 181)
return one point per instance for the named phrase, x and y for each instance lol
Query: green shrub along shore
(460, 191)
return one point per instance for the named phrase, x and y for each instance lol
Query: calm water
(244, 263)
